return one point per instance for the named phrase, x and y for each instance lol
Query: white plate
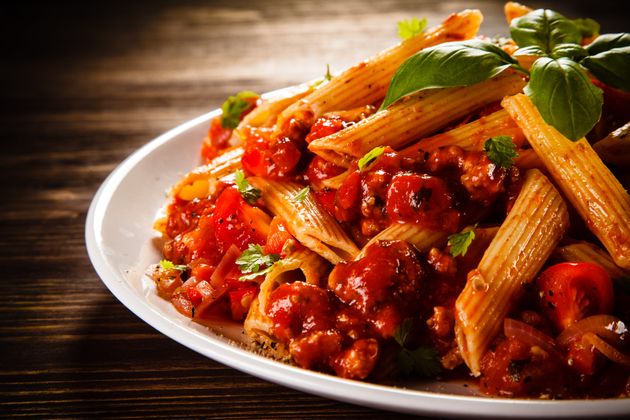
(120, 243)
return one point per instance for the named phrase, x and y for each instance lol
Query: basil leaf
(447, 65)
(564, 96)
(607, 42)
(573, 51)
(544, 28)
(611, 67)
(587, 26)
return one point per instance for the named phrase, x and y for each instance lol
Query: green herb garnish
(234, 106)
(423, 361)
(409, 28)
(249, 193)
(301, 195)
(501, 150)
(168, 265)
(370, 157)
(558, 86)
(459, 242)
(253, 262)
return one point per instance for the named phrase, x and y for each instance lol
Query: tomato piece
(348, 198)
(257, 157)
(421, 199)
(286, 155)
(277, 237)
(241, 299)
(572, 291)
(326, 198)
(324, 126)
(237, 223)
(217, 140)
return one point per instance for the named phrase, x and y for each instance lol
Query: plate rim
(366, 394)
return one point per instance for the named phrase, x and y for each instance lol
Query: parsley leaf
(422, 361)
(370, 157)
(253, 259)
(168, 265)
(234, 106)
(401, 334)
(501, 150)
(249, 193)
(409, 28)
(460, 242)
(301, 195)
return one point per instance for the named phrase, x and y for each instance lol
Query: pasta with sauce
(457, 230)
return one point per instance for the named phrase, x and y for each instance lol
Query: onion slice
(610, 328)
(606, 349)
(530, 335)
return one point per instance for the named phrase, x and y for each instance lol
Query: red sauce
(384, 285)
(341, 329)
(320, 169)
(515, 369)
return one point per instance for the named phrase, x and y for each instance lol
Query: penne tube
(614, 149)
(367, 82)
(306, 220)
(523, 243)
(197, 183)
(528, 159)
(588, 252)
(588, 184)
(412, 117)
(423, 239)
(266, 114)
(513, 10)
(471, 136)
(302, 264)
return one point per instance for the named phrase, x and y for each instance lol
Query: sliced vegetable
(570, 292)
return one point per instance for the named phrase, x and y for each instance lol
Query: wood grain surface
(83, 85)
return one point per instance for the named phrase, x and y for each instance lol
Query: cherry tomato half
(572, 291)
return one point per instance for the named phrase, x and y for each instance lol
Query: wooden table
(83, 85)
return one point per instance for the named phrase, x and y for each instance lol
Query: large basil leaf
(447, 65)
(564, 96)
(611, 67)
(545, 29)
(607, 42)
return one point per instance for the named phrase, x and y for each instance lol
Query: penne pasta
(528, 159)
(196, 183)
(589, 185)
(585, 251)
(523, 243)
(514, 10)
(413, 117)
(302, 264)
(471, 136)
(307, 221)
(423, 239)
(614, 149)
(367, 82)
(267, 112)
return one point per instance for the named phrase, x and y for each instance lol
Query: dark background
(83, 85)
